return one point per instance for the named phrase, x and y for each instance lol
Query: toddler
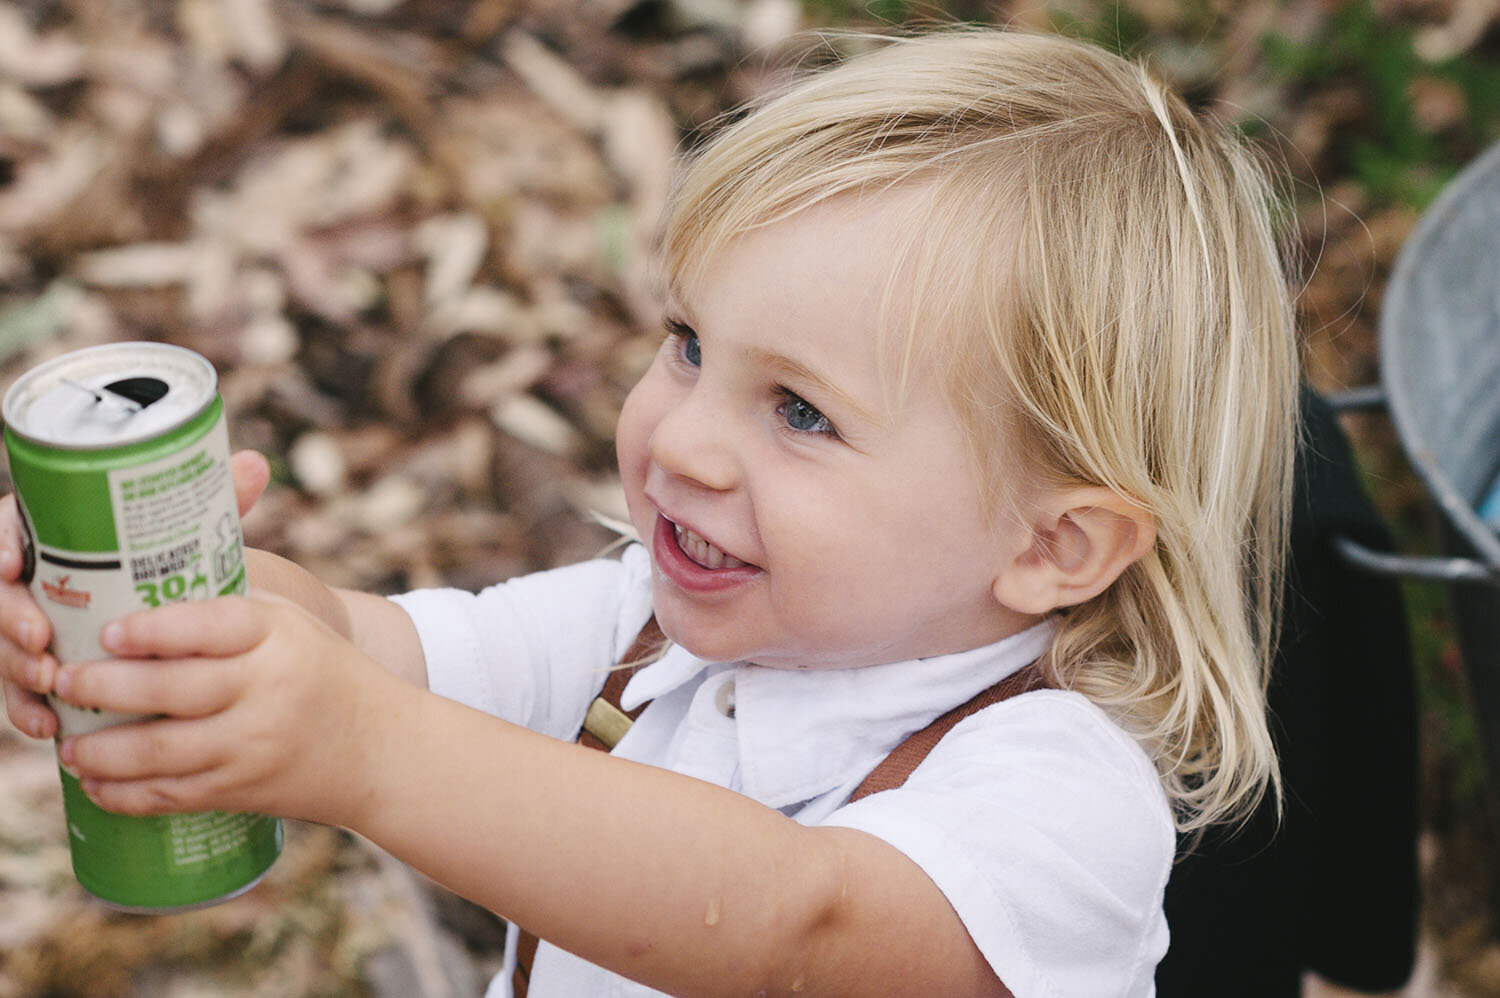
(979, 364)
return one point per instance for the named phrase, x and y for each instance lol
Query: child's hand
(251, 474)
(26, 670)
(266, 709)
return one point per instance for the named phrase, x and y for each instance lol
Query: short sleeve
(533, 650)
(1046, 827)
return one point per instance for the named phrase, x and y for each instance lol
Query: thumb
(251, 473)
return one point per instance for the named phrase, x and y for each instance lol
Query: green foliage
(1396, 156)
(1116, 27)
(1393, 155)
(1442, 696)
(857, 11)
(1479, 79)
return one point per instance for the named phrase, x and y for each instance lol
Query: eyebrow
(794, 370)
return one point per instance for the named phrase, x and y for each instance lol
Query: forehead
(923, 273)
(843, 248)
(817, 288)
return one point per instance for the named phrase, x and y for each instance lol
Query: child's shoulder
(1029, 812)
(1059, 740)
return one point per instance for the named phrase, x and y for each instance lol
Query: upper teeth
(704, 553)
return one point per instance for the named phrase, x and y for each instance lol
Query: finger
(33, 673)
(28, 711)
(22, 621)
(156, 796)
(251, 474)
(143, 750)
(217, 627)
(181, 687)
(10, 540)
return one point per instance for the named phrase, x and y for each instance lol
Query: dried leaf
(767, 25)
(23, 118)
(317, 463)
(482, 310)
(532, 422)
(47, 183)
(556, 82)
(455, 246)
(390, 502)
(640, 145)
(1467, 23)
(139, 265)
(517, 371)
(258, 38)
(47, 60)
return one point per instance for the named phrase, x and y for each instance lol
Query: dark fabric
(1333, 888)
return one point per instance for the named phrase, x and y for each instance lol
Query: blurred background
(413, 235)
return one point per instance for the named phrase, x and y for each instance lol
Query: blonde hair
(1095, 269)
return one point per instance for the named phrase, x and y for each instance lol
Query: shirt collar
(802, 733)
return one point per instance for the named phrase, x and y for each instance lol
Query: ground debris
(415, 236)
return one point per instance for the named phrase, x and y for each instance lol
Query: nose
(693, 442)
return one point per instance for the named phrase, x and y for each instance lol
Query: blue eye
(803, 416)
(688, 347)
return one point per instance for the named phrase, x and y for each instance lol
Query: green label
(178, 526)
(171, 861)
(67, 492)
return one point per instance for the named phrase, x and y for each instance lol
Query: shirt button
(724, 697)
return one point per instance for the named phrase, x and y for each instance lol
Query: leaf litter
(414, 237)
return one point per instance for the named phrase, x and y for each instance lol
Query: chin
(704, 646)
(705, 641)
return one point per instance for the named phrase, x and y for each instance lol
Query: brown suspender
(896, 767)
(607, 722)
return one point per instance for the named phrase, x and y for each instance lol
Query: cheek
(638, 417)
(829, 549)
(862, 547)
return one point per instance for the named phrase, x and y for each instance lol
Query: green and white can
(120, 459)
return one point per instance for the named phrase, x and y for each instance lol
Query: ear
(1080, 540)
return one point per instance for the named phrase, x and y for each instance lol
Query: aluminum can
(120, 459)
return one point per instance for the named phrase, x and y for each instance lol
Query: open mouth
(701, 552)
(692, 564)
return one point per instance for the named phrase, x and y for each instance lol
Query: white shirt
(1043, 823)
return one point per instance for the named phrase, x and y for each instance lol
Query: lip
(685, 573)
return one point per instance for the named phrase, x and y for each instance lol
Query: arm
(373, 624)
(376, 626)
(700, 891)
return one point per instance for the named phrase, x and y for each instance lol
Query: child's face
(796, 517)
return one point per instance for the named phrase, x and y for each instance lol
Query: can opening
(141, 391)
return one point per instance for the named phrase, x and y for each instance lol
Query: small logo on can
(63, 593)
